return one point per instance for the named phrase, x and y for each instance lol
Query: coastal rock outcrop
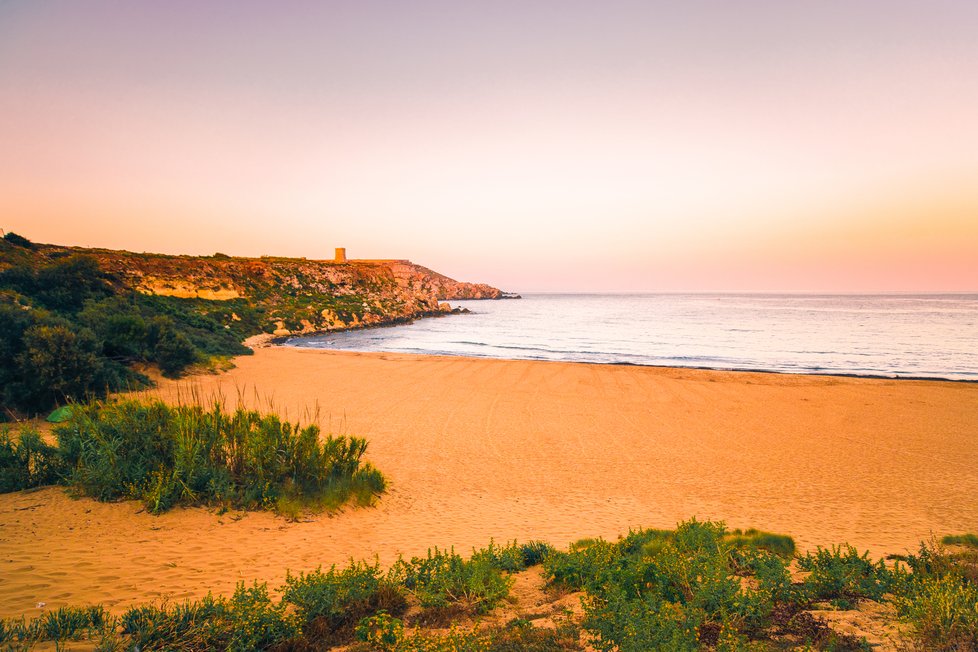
(298, 295)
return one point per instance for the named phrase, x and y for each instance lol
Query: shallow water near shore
(896, 335)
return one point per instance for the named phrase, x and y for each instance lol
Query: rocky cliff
(297, 295)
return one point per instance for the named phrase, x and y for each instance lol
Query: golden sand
(479, 449)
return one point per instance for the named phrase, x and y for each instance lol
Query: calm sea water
(934, 336)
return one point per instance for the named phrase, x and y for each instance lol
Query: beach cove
(480, 449)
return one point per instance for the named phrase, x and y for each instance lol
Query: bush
(338, 599)
(27, 461)
(535, 552)
(657, 589)
(582, 565)
(943, 612)
(18, 240)
(173, 351)
(779, 544)
(381, 631)
(443, 578)
(841, 573)
(249, 620)
(966, 540)
(166, 456)
(513, 557)
(59, 365)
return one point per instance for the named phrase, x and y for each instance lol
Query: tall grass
(187, 455)
(26, 461)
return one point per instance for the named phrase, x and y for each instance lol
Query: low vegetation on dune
(698, 587)
(189, 455)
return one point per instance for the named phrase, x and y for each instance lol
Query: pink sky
(618, 146)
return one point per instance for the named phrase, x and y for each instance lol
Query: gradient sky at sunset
(558, 145)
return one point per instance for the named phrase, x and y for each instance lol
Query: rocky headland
(297, 295)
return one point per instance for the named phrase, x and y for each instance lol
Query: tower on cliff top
(340, 255)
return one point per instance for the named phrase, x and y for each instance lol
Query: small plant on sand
(841, 573)
(328, 605)
(513, 557)
(443, 577)
(248, 620)
(697, 587)
(581, 565)
(943, 612)
(382, 631)
(779, 544)
(967, 540)
(59, 625)
(939, 597)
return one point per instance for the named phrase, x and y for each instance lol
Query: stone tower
(340, 255)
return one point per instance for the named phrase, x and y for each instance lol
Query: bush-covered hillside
(74, 322)
(69, 330)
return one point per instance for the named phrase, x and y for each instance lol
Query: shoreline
(282, 341)
(479, 449)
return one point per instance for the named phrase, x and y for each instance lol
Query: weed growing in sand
(840, 573)
(939, 597)
(59, 625)
(513, 557)
(943, 612)
(967, 540)
(382, 632)
(696, 587)
(443, 577)
(186, 455)
(248, 620)
(328, 605)
(386, 634)
(780, 544)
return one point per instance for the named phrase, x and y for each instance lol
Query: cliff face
(298, 295)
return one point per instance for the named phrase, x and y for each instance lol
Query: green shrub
(60, 365)
(339, 599)
(967, 540)
(512, 557)
(841, 573)
(18, 240)
(171, 349)
(943, 612)
(62, 624)
(248, 620)
(382, 631)
(68, 330)
(443, 577)
(535, 552)
(582, 565)
(166, 456)
(678, 590)
(27, 461)
(779, 544)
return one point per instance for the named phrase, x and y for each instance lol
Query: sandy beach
(477, 449)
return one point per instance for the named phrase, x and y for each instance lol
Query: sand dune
(477, 449)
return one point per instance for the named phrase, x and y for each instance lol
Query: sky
(762, 146)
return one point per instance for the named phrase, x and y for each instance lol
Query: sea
(892, 335)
